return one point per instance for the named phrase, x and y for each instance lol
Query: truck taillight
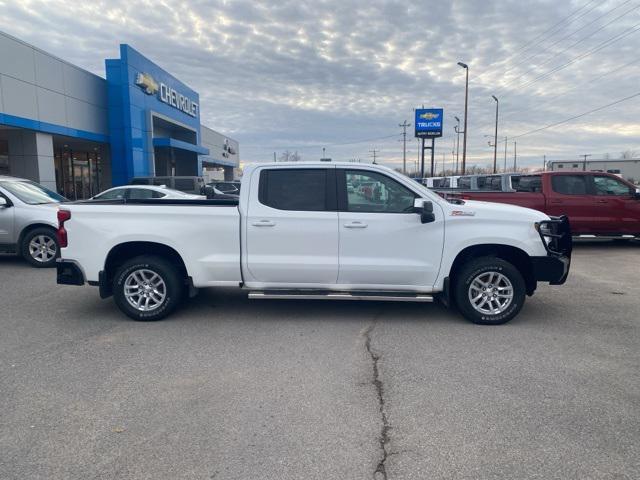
(63, 216)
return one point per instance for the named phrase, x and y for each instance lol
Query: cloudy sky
(299, 75)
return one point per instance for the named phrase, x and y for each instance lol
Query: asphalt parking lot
(229, 388)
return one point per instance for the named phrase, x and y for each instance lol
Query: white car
(143, 192)
(296, 233)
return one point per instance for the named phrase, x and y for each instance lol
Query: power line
(572, 45)
(601, 46)
(547, 100)
(532, 41)
(576, 116)
(300, 147)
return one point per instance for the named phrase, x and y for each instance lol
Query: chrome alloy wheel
(490, 293)
(145, 290)
(42, 248)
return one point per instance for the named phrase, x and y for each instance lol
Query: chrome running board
(371, 296)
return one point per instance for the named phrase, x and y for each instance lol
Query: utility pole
(544, 163)
(404, 126)
(466, 105)
(495, 138)
(323, 155)
(374, 154)
(584, 162)
(457, 130)
(505, 154)
(515, 157)
(274, 156)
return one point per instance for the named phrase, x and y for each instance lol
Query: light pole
(457, 129)
(495, 137)
(466, 104)
(515, 157)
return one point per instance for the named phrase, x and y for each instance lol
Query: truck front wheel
(489, 291)
(147, 288)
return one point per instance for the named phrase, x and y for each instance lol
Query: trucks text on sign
(428, 122)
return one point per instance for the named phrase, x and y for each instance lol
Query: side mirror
(425, 209)
(3, 202)
(637, 193)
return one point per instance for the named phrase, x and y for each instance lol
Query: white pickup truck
(315, 231)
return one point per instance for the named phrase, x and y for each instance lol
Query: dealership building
(78, 133)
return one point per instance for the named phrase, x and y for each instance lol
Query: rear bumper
(552, 269)
(69, 273)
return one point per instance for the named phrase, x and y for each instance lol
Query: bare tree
(288, 156)
(628, 154)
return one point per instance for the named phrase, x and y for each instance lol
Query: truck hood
(498, 211)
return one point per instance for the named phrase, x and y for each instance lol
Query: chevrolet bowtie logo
(147, 83)
(429, 115)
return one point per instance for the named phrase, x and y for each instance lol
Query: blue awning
(180, 145)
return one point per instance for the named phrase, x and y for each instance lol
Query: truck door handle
(555, 201)
(264, 223)
(355, 225)
(602, 201)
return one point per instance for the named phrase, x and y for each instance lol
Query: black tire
(37, 245)
(486, 265)
(172, 290)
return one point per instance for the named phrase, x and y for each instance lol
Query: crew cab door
(616, 209)
(383, 244)
(571, 195)
(292, 227)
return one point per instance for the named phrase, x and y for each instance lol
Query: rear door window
(115, 194)
(464, 182)
(529, 183)
(495, 184)
(299, 189)
(143, 193)
(569, 184)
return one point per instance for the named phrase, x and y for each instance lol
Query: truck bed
(205, 233)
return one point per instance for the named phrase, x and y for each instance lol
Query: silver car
(28, 220)
(143, 192)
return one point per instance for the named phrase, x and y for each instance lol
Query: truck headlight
(545, 231)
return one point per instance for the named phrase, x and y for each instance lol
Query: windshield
(31, 193)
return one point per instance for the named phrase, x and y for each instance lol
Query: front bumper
(554, 267)
(69, 273)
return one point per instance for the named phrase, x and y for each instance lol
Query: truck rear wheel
(489, 291)
(147, 288)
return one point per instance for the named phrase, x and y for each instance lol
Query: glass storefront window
(78, 173)
(4, 157)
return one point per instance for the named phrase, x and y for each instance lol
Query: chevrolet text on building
(177, 100)
(168, 95)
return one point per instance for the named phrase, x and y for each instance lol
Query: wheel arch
(28, 228)
(514, 255)
(127, 250)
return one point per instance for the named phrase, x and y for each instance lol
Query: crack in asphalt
(380, 472)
